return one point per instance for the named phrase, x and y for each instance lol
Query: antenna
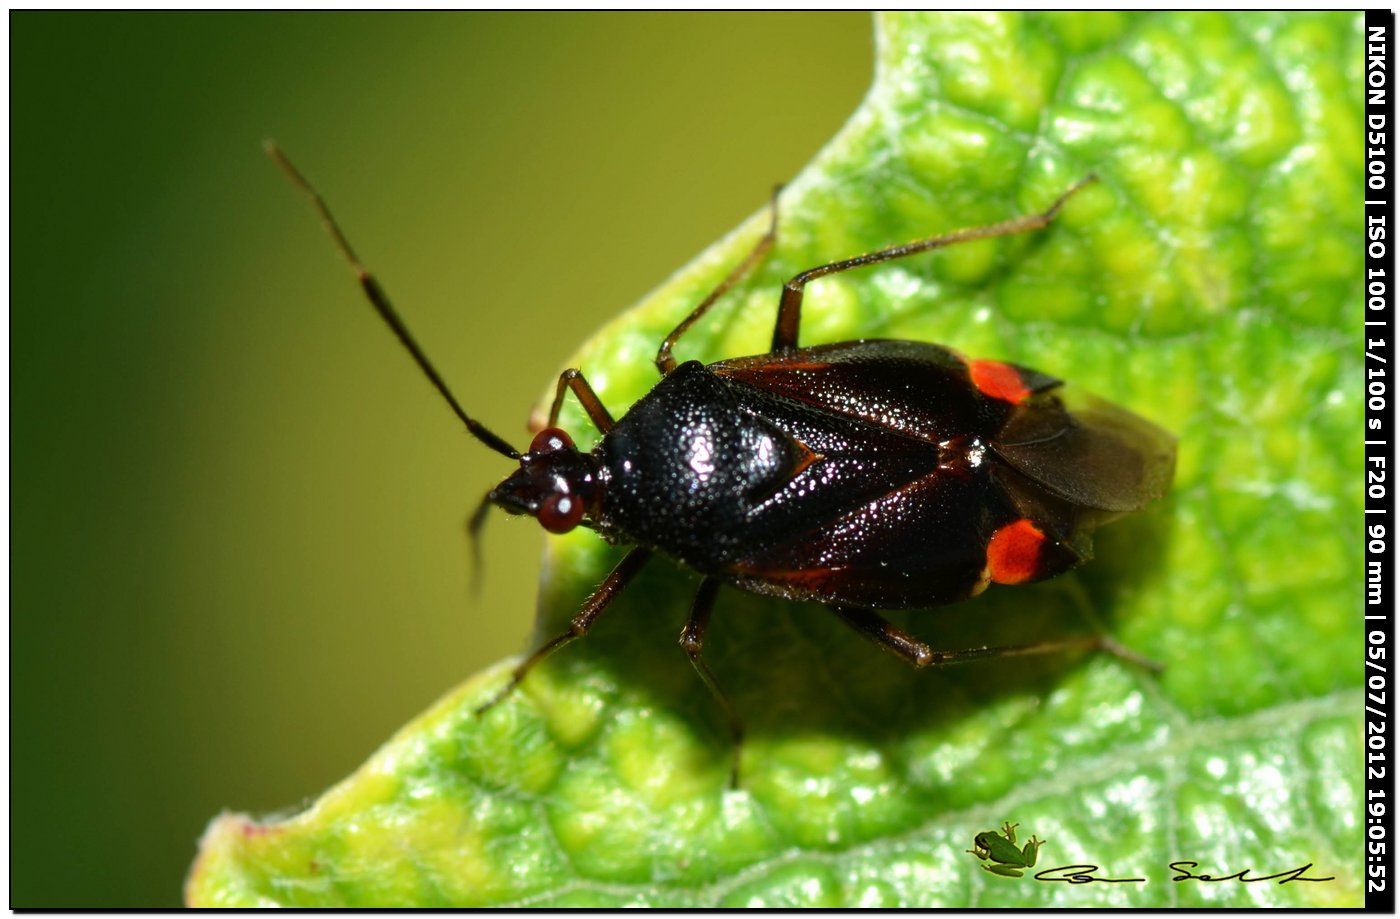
(380, 301)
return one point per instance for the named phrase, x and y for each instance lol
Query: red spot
(1013, 554)
(998, 380)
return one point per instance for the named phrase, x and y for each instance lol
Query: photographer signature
(1002, 856)
(1085, 874)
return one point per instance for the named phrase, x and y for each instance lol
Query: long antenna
(380, 301)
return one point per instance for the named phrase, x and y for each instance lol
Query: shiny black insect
(865, 475)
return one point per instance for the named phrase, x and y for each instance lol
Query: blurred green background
(238, 560)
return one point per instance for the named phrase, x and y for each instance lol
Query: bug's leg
(597, 412)
(692, 642)
(474, 524)
(664, 361)
(917, 654)
(597, 601)
(790, 306)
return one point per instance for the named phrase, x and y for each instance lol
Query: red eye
(560, 513)
(551, 440)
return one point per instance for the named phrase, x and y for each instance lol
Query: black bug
(865, 475)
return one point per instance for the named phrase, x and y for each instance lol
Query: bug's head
(556, 483)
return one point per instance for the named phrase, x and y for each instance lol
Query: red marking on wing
(789, 366)
(998, 380)
(808, 578)
(1013, 553)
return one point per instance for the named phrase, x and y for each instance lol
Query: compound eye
(560, 513)
(551, 440)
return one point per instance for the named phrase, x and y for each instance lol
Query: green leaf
(1211, 282)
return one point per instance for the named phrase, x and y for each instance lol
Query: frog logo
(999, 850)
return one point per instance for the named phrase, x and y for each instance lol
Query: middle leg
(790, 305)
(693, 642)
(665, 362)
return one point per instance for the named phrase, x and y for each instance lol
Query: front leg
(573, 379)
(597, 601)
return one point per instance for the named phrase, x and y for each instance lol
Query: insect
(865, 475)
(1000, 849)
